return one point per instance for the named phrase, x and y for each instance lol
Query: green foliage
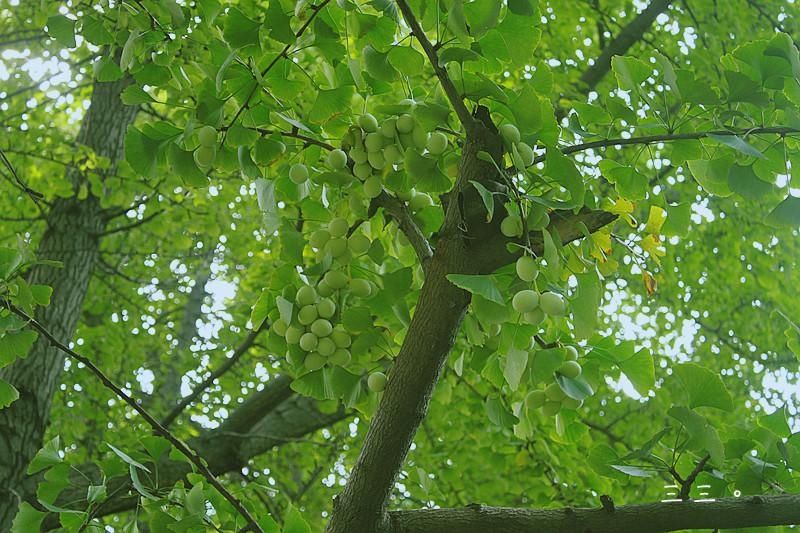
(287, 146)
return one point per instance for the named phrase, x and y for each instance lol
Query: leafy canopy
(286, 178)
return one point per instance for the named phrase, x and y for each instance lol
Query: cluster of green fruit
(311, 336)
(532, 305)
(206, 152)
(522, 154)
(552, 399)
(333, 241)
(374, 147)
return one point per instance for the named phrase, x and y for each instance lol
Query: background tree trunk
(71, 237)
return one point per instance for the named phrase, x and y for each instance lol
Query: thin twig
(34, 195)
(666, 137)
(272, 63)
(447, 84)
(195, 459)
(686, 485)
(216, 374)
(132, 225)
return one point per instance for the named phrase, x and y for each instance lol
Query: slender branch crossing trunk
(72, 238)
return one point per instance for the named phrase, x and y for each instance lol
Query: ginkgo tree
(399, 266)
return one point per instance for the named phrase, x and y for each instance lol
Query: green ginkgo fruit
(326, 308)
(570, 369)
(553, 304)
(509, 133)
(511, 226)
(307, 314)
(207, 136)
(326, 347)
(341, 338)
(570, 353)
(377, 381)
(321, 327)
(535, 399)
(368, 122)
(280, 327)
(293, 334)
(405, 123)
(306, 295)
(338, 227)
(437, 143)
(525, 301)
(360, 288)
(527, 269)
(337, 159)
(336, 279)
(309, 341)
(358, 243)
(298, 173)
(204, 156)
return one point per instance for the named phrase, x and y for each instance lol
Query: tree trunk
(430, 337)
(467, 245)
(71, 237)
(167, 387)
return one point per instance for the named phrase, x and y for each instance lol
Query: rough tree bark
(466, 245)
(72, 238)
(724, 513)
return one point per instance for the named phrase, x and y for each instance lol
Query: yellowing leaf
(652, 245)
(655, 220)
(650, 282)
(621, 207)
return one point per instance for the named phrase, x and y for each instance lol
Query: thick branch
(630, 35)
(447, 84)
(267, 419)
(196, 460)
(723, 513)
(569, 226)
(439, 311)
